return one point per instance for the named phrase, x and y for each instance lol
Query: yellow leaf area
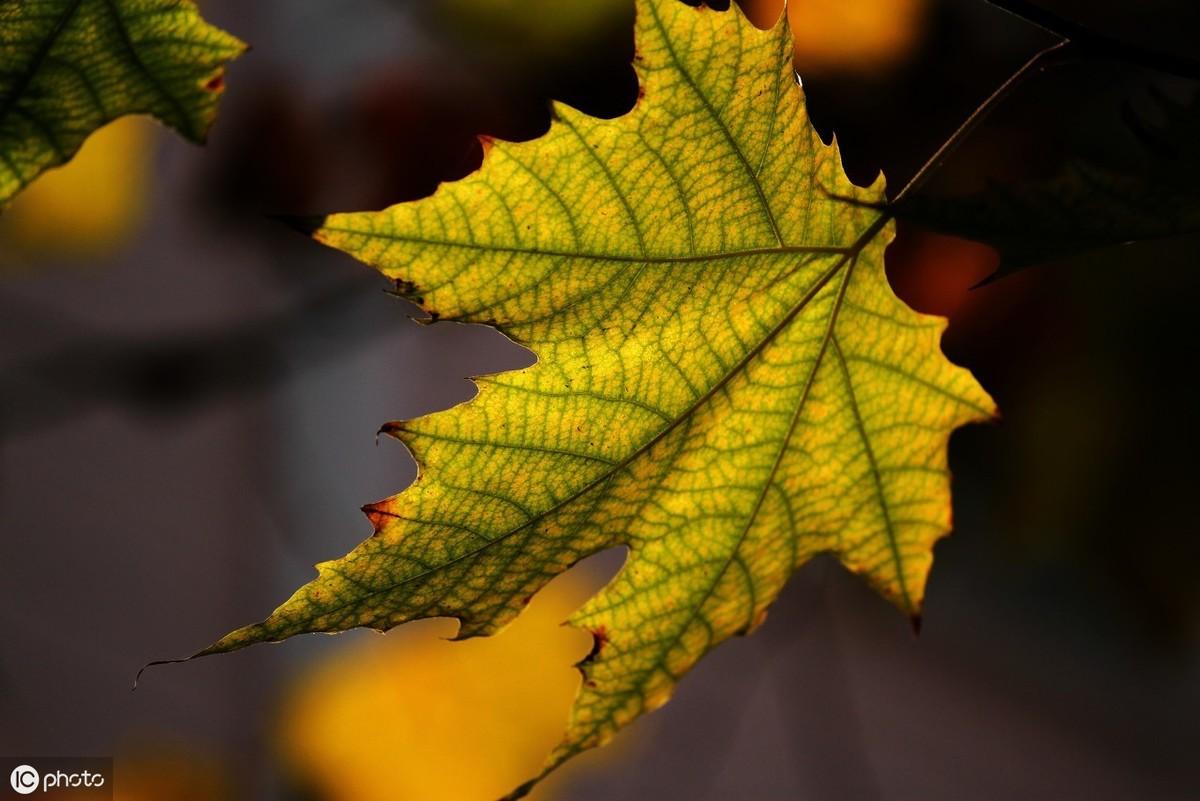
(412, 715)
(90, 206)
(67, 67)
(727, 385)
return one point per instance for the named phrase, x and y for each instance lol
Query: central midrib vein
(629, 258)
(848, 253)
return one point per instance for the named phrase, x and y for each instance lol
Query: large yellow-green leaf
(726, 384)
(69, 66)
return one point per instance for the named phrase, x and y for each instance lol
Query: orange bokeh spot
(846, 34)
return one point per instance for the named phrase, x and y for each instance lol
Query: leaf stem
(1081, 41)
(1035, 63)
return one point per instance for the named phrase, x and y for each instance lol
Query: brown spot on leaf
(392, 429)
(599, 640)
(759, 618)
(379, 515)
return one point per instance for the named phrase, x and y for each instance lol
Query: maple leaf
(67, 67)
(727, 385)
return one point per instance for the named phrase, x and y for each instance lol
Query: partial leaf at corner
(67, 67)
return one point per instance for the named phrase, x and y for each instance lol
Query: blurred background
(190, 394)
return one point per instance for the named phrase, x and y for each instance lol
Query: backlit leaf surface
(726, 384)
(67, 67)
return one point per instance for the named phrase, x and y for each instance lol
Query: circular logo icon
(24, 779)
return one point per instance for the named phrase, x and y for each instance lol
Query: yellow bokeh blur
(413, 715)
(89, 207)
(157, 773)
(171, 776)
(846, 34)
